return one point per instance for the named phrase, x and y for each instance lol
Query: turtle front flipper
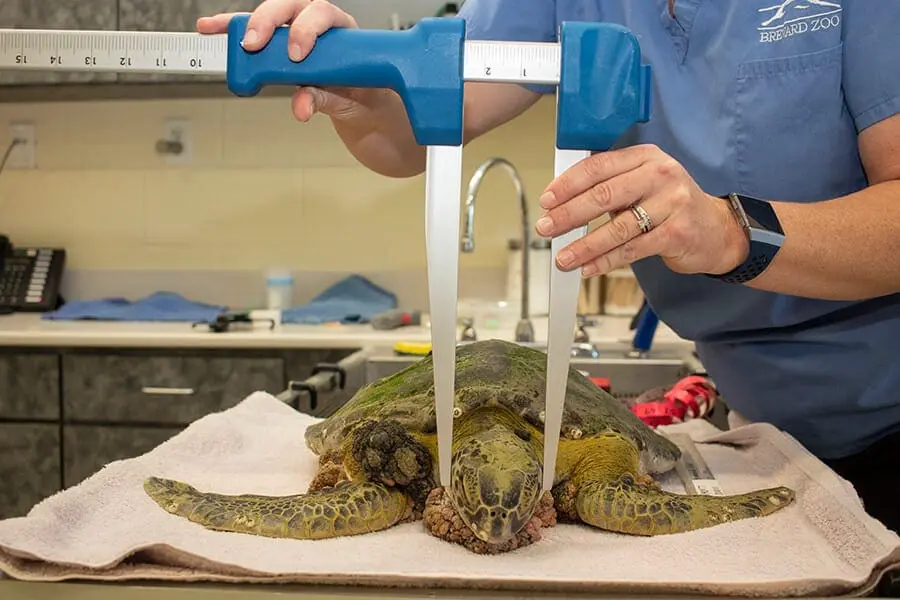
(627, 506)
(605, 489)
(349, 508)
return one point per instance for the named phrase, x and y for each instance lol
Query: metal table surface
(16, 590)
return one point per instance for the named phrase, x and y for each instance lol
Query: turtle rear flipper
(349, 508)
(607, 490)
(627, 506)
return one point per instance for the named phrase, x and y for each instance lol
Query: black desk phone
(30, 278)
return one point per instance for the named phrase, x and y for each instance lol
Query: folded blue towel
(161, 306)
(351, 300)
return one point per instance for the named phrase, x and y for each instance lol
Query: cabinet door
(29, 466)
(60, 14)
(89, 448)
(161, 390)
(29, 387)
(154, 15)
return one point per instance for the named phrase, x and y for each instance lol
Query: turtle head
(495, 482)
(326, 435)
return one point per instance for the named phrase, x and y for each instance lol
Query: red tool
(692, 397)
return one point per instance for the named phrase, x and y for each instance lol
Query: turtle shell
(500, 373)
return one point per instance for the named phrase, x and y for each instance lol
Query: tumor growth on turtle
(378, 465)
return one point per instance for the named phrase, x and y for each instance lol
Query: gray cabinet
(88, 448)
(153, 15)
(61, 14)
(161, 389)
(29, 466)
(29, 387)
(66, 413)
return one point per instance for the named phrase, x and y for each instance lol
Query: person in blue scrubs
(791, 102)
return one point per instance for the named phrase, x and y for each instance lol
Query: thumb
(311, 100)
(306, 102)
(320, 100)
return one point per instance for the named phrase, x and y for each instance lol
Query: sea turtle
(378, 465)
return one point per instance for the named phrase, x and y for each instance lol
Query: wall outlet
(178, 141)
(23, 154)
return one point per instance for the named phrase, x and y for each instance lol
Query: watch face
(760, 214)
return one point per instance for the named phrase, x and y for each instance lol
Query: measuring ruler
(602, 90)
(186, 53)
(693, 469)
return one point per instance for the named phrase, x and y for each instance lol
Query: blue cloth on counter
(351, 300)
(160, 306)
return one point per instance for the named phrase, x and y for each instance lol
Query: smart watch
(764, 232)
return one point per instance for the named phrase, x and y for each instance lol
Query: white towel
(106, 528)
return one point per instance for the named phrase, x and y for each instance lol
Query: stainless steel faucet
(524, 328)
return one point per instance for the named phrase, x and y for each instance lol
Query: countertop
(28, 329)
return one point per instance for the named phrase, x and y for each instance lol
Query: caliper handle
(423, 64)
(604, 89)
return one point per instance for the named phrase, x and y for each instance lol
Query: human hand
(692, 231)
(308, 19)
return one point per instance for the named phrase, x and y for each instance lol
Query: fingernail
(250, 37)
(547, 199)
(294, 51)
(565, 258)
(589, 270)
(544, 225)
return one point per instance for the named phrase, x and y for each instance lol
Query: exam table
(327, 388)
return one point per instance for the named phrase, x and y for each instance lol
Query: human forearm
(847, 248)
(372, 123)
(382, 139)
(375, 128)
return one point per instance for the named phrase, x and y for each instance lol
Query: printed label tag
(709, 487)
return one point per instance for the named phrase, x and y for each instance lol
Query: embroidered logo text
(798, 17)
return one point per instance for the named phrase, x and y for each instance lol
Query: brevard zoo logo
(798, 17)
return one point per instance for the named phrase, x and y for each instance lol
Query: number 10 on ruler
(114, 51)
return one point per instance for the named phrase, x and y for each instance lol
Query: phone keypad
(15, 272)
(25, 278)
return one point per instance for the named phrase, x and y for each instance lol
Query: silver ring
(643, 219)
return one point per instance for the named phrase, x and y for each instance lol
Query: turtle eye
(523, 435)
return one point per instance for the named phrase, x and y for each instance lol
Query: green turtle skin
(382, 446)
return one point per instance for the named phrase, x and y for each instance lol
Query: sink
(629, 376)
(327, 390)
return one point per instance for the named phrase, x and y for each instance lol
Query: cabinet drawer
(89, 448)
(161, 389)
(29, 386)
(29, 466)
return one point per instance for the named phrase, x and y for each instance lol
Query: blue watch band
(764, 233)
(758, 259)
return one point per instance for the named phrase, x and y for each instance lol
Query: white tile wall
(261, 189)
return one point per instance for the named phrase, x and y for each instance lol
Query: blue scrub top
(765, 98)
